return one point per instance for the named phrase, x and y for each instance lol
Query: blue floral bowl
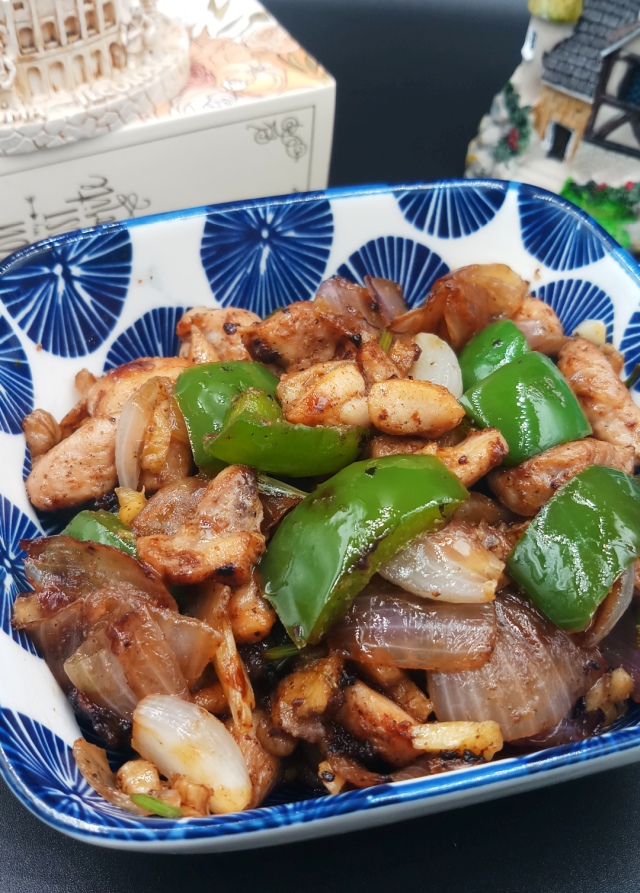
(103, 296)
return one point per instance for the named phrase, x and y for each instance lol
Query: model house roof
(574, 64)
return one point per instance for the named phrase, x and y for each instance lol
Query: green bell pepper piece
(530, 402)
(102, 527)
(256, 433)
(578, 545)
(328, 547)
(204, 394)
(499, 343)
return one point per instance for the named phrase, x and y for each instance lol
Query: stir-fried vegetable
(206, 391)
(530, 402)
(256, 433)
(330, 545)
(385, 621)
(578, 545)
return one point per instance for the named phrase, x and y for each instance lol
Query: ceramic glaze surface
(101, 297)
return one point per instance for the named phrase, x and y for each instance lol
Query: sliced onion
(620, 649)
(611, 609)
(389, 296)
(534, 676)
(576, 726)
(94, 768)
(391, 629)
(347, 298)
(180, 737)
(450, 565)
(437, 363)
(66, 569)
(133, 423)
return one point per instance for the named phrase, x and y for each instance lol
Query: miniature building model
(573, 74)
(569, 118)
(71, 69)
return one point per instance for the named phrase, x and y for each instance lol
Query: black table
(414, 78)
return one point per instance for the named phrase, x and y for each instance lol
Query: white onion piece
(534, 676)
(178, 736)
(390, 629)
(593, 330)
(450, 565)
(437, 363)
(133, 422)
(611, 609)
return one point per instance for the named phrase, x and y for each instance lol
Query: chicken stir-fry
(276, 568)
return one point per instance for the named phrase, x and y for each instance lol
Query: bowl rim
(328, 813)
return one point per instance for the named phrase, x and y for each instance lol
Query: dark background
(414, 78)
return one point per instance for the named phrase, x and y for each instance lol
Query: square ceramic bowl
(101, 297)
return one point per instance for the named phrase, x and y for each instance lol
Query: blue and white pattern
(153, 335)
(411, 264)
(14, 526)
(262, 254)
(16, 386)
(557, 239)
(69, 298)
(452, 211)
(575, 300)
(630, 346)
(262, 257)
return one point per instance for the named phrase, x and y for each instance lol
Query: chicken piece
(79, 468)
(540, 325)
(109, 394)
(221, 540)
(212, 698)
(331, 393)
(375, 364)
(400, 688)
(483, 739)
(307, 696)
(404, 353)
(138, 777)
(41, 431)
(528, 486)
(274, 740)
(606, 402)
(372, 717)
(464, 301)
(194, 796)
(474, 457)
(404, 407)
(610, 692)
(300, 335)
(218, 329)
(250, 614)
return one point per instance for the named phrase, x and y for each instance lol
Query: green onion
(385, 340)
(279, 652)
(158, 807)
(635, 375)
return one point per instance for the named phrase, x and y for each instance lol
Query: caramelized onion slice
(133, 423)
(620, 649)
(450, 565)
(611, 609)
(94, 768)
(66, 569)
(534, 676)
(391, 628)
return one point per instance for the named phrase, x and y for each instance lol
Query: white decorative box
(254, 118)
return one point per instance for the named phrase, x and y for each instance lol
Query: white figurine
(83, 67)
